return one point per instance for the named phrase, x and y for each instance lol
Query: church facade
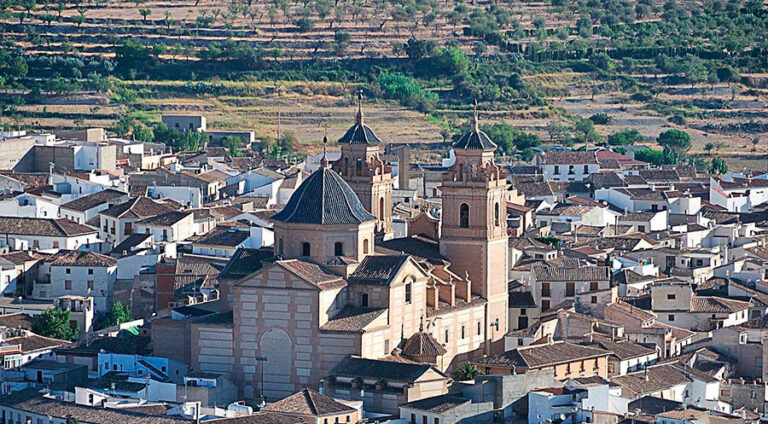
(339, 285)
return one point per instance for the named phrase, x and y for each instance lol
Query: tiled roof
(81, 258)
(130, 242)
(312, 273)
(359, 133)
(355, 367)
(43, 227)
(262, 418)
(377, 269)
(139, 207)
(587, 273)
(420, 247)
(31, 401)
(713, 304)
(17, 320)
(536, 356)
(568, 158)
(622, 349)
(122, 344)
(474, 140)
(243, 263)
(223, 237)
(324, 198)
(659, 175)
(167, 219)
(191, 266)
(651, 380)
(309, 402)
(92, 200)
(222, 319)
(437, 404)
(18, 257)
(352, 319)
(34, 342)
(535, 189)
(606, 179)
(422, 344)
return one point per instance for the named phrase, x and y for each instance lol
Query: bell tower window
(496, 220)
(338, 249)
(359, 167)
(306, 249)
(464, 215)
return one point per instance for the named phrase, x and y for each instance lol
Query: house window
(128, 228)
(593, 286)
(424, 419)
(545, 289)
(67, 284)
(90, 271)
(557, 169)
(67, 271)
(671, 317)
(641, 228)
(338, 249)
(464, 215)
(437, 420)
(55, 244)
(90, 284)
(386, 347)
(305, 249)
(408, 290)
(671, 296)
(570, 289)
(413, 418)
(479, 328)
(593, 300)
(365, 247)
(570, 170)
(364, 300)
(545, 305)
(496, 213)
(586, 169)
(523, 311)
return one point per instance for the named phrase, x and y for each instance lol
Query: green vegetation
(625, 137)
(467, 372)
(55, 323)
(117, 315)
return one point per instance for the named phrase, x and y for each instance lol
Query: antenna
(359, 116)
(474, 116)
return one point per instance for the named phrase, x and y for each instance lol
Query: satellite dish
(562, 417)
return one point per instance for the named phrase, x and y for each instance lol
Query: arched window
(306, 249)
(496, 214)
(359, 166)
(381, 208)
(461, 171)
(408, 292)
(365, 247)
(464, 215)
(338, 249)
(280, 247)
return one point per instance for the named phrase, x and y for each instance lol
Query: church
(340, 285)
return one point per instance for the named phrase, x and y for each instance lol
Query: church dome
(324, 198)
(359, 133)
(474, 139)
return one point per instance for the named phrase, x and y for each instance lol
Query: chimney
(645, 374)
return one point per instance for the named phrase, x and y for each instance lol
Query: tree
(755, 141)
(118, 315)
(55, 323)
(305, 24)
(601, 118)
(625, 137)
(708, 147)
(601, 61)
(71, 420)
(232, 144)
(586, 130)
(556, 130)
(467, 372)
(144, 14)
(677, 141)
(718, 166)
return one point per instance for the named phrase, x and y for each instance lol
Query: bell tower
(363, 169)
(474, 225)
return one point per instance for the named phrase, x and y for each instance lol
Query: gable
(409, 269)
(273, 277)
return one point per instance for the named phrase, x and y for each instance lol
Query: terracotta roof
(419, 246)
(651, 380)
(568, 158)
(81, 258)
(521, 300)
(34, 342)
(422, 344)
(312, 273)
(474, 139)
(223, 237)
(18, 257)
(85, 203)
(352, 319)
(377, 269)
(324, 198)
(622, 349)
(139, 207)
(243, 263)
(587, 273)
(713, 304)
(309, 402)
(167, 219)
(43, 227)
(31, 401)
(437, 404)
(355, 367)
(17, 320)
(536, 356)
